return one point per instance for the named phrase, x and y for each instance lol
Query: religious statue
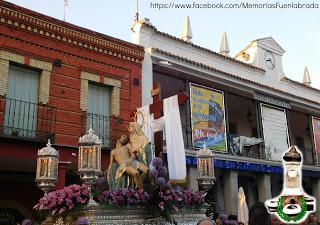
(140, 143)
(126, 168)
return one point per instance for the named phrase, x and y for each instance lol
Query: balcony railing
(26, 120)
(254, 151)
(108, 128)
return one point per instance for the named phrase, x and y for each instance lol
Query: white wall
(148, 38)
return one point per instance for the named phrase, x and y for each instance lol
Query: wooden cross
(157, 109)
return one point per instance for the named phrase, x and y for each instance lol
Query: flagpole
(64, 9)
(137, 13)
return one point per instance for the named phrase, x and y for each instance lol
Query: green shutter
(99, 111)
(21, 103)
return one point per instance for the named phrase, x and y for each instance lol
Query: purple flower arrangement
(168, 198)
(83, 221)
(158, 195)
(64, 200)
(124, 197)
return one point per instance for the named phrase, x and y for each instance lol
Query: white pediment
(270, 44)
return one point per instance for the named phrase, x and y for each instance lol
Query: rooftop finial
(90, 130)
(306, 77)
(49, 143)
(224, 47)
(186, 34)
(204, 145)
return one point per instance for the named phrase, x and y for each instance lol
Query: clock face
(269, 60)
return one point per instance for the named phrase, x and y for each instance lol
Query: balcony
(108, 128)
(26, 120)
(233, 143)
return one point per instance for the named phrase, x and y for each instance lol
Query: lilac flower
(26, 222)
(63, 200)
(160, 181)
(154, 173)
(163, 172)
(157, 162)
(83, 221)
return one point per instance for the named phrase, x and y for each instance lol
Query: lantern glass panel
(44, 167)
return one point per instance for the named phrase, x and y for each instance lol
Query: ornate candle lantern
(206, 177)
(89, 160)
(47, 168)
(205, 165)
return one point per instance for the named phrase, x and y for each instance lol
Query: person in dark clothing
(258, 215)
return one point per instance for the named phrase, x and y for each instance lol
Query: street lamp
(206, 178)
(47, 168)
(89, 160)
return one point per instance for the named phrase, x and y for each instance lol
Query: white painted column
(230, 182)
(264, 187)
(316, 192)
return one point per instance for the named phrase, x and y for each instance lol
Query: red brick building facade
(55, 80)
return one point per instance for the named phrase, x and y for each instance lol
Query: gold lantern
(89, 160)
(47, 168)
(205, 167)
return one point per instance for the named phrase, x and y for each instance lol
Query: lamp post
(206, 178)
(47, 168)
(89, 161)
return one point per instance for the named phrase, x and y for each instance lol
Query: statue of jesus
(124, 165)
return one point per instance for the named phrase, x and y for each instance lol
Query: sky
(296, 30)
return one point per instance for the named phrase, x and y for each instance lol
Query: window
(98, 111)
(21, 109)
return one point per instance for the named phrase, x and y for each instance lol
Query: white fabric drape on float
(174, 139)
(150, 125)
(148, 118)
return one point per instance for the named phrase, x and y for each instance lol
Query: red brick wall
(65, 81)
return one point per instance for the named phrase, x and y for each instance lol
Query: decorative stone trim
(112, 82)
(115, 93)
(76, 36)
(7, 57)
(4, 69)
(11, 57)
(115, 101)
(68, 54)
(40, 64)
(44, 86)
(84, 94)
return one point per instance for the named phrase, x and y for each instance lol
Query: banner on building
(275, 131)
(208, 118)
(316, 136)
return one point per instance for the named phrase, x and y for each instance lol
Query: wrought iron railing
(108, 128)
(27, 120)
(254, 151)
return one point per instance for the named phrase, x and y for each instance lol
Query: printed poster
(208, 118)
